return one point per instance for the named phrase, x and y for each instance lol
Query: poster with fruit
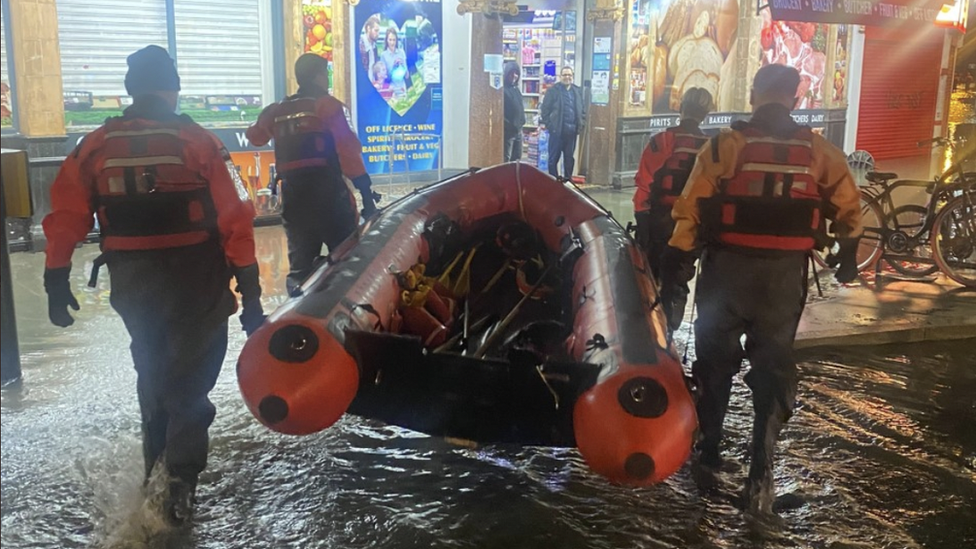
(802, 46)
(317, 24)
(694, 47)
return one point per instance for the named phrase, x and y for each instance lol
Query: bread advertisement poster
(691, 44)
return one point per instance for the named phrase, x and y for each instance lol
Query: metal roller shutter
(218, 46)
(899, 91)
(3, 53)
(96, 37)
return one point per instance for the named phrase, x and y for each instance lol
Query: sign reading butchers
(858, 12)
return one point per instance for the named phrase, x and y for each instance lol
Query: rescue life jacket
(670, 179)
(146, 197)
(301, 138)
(772, 202)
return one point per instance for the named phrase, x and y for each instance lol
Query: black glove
(847, 259)
(677, 268)
(252, 315)
(59, 296)
(364, 185)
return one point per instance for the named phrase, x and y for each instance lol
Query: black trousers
(317, 209)
(513, 148)
(562, 145)
(175, 305)
(654, 228)
(759, 297)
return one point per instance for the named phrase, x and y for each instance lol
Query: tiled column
(601, 125)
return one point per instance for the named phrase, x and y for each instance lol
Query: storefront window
(224, 69)
(220, 45)
(6, 93)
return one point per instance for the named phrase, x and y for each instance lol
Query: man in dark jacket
(563, 115)
(514, 113)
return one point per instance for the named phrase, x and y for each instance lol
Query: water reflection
(881, 453)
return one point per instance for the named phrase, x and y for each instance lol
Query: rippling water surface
(880, 454)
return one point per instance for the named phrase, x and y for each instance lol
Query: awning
(858, 12)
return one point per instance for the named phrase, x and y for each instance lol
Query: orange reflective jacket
(153, 184)
(772, 201)
(308, 132)
(665, 166)
(734, 166)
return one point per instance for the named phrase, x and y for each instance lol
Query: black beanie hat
(308, 66)
(151, 69)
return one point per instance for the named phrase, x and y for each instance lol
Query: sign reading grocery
(858, 12)
(398, 84)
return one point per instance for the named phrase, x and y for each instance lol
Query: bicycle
(899, 235)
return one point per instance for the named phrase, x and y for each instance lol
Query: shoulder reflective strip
(774, 168)
(293, 116)
(139, 133)
(116, 185)
(239, 186)
(774, 141)
(142, 161)
(686, 150)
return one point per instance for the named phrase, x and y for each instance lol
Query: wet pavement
(880, 454)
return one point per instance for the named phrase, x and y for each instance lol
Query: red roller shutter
(899, 90)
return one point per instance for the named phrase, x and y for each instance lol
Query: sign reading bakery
(858, 12)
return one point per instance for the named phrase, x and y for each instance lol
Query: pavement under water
(881, 453)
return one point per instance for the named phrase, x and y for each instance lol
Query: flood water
(880, 454)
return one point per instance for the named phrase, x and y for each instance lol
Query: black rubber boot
(760, 489)
(178, 505)
(713, 403)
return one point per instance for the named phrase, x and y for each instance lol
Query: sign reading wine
(858, 12)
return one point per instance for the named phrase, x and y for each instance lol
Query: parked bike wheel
(954, 240)
(904, 224)
(869, 247)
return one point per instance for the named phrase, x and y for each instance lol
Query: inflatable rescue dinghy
(501, 306)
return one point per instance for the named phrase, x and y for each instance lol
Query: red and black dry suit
(664, 168)
(756, 200)
(314, 148)
(174, 224)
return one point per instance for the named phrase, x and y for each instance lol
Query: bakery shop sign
(858, 12)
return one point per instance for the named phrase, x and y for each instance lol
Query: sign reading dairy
(398, 83)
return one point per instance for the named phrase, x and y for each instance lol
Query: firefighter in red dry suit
(756, 200)
(664, 167)
(175, 225)
(314, 147)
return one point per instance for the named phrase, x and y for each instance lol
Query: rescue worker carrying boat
(175, 224)
(756, 200)
(664, 167)
(314, 147)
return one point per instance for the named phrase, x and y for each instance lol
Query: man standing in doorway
(514, 113)
(563, 115)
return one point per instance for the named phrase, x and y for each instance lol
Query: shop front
(669, 46)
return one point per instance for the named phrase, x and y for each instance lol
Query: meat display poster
(694, 47)
(802, 46)
(398, 84)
